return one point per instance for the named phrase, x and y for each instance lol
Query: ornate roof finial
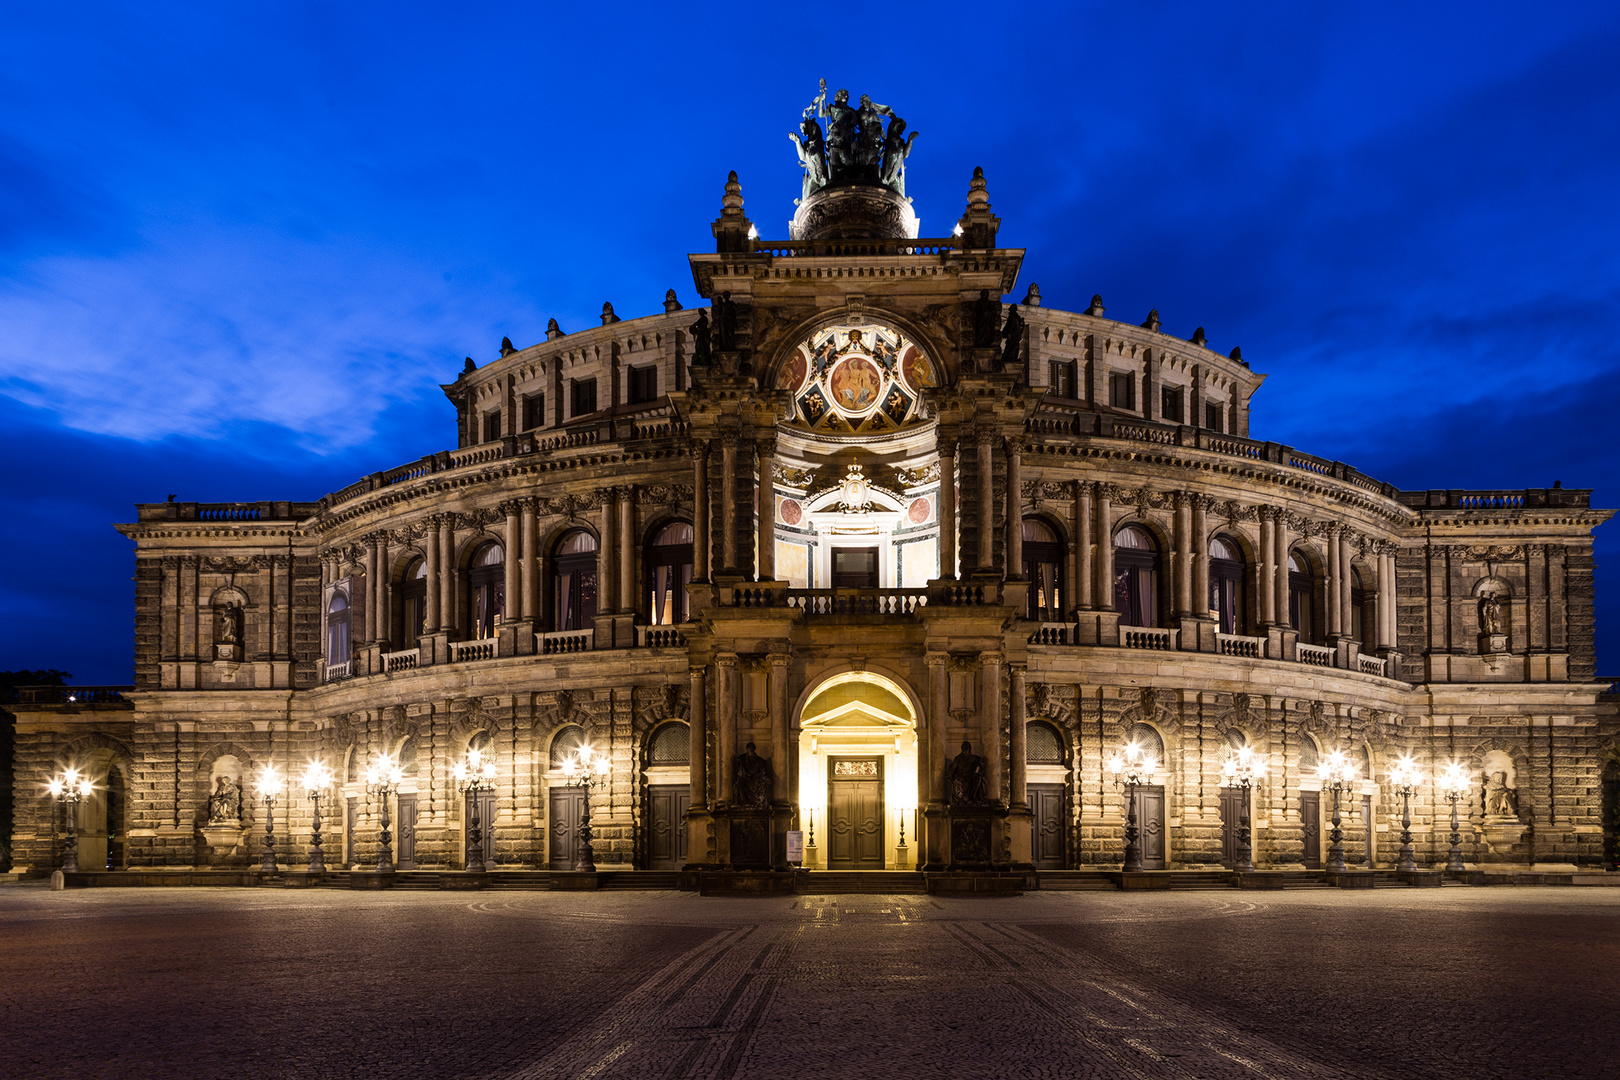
(1237, 354)
(732, 230)
(1198, 337)
(607, 313)
(553, 331)
(469, 367)
(506, 347)
(978, 225)
(1152, 322)
(670, 303)
(1032, 298)
(1096, 307)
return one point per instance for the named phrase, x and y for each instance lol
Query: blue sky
(240, 245)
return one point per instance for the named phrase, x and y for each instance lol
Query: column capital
(625, 492)
(1016, 444)
(936, 659)
(993, 657)
(512, 507)
(699, 447)
(779, 659)
(985, 436)
(1018, 670)
(765, 445)
(729, 440)
(697, 671)
(726, 660)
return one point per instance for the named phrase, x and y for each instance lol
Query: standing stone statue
(896, 148)
(841, 125)
(868, 151)
(1500, 800)
(701, 356)
(986, 320)
(1012, 337)
(225, 803)
(751, 781)
(812, 155)
(1490, 615)
(726, 323)
(966, 778)
(230, 625)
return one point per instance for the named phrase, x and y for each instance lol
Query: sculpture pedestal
(854, 212)
(977, 837)
(222, 840)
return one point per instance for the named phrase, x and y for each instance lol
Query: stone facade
(859, 514)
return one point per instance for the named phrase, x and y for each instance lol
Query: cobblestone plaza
(314, 983)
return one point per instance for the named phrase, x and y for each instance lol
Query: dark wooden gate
(855, 814)
(1150, 825)
(1046, 808)
(666, 831)
(405, 832)
(351, 820)
(1231, 812)
(567, 806)
(1310, 827)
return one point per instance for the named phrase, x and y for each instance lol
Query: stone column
(700, 510)
(435, 567)
(987, 499)
(627, 549)
(447, 572)
(1018, 750)
(385, 595)
(726, 707)
(1200, 556)
(513, 538)
(1083, 572)
(1346, 581)
(947, 509)
(530, 583)
(728, 502)
(1015, 508)
(1331, 594)
(697, 745)
(1386, 600)
(1105, 548)
(1279, 537)
(931, 752)
(767, 510)
(1264, 570)
(1183, 542)
(990, 720)
(373, 608)
(777, 693)
(606, 563)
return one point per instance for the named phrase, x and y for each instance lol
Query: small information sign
(795, 846)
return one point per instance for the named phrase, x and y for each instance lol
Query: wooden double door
(666, 825)
(1150, 825)
(1046, 810)
(567, 807)
(855, 817)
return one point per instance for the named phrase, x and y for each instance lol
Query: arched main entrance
(858, 773)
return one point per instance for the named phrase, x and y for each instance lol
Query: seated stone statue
(225, 804)
(751, 781)
(967, 779)
(1500, 800)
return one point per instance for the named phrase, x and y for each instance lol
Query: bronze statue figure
(700, 340)
(986, 320)
(896, 148)
(1012, 337)
(726, 323)
(812, 155)
(751, 781)
(966, 778)
(869, 138)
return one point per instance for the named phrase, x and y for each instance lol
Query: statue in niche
(726, 323)
(230, 625)
(985, 317)
(751, 781)
(700, 340)
(1490, 615)
(812, 155)
(225, 802)
(1012, 337)
(896, 148)
(967, 778)
(1500, 800)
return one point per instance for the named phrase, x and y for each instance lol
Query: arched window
(412, 604)
(669, 572)
(1235, 739)
(1136, 577)
(1309, 756)
(671, 744)
(1358, 605)
(574, 581)
(351, 771)
(337, 629)
(1043, 566)
(1042, 746)
(1301, 586)
(1226, 603)
(564, 743)
(407, 762)
(486, 588)
(1148, 738)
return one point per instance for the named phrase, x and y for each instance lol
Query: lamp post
(1407, 778)
(269, 787)
(588, 769)
(1132, 767)
(1454, 782)
(317, 778)
(1337, 774)
(474, 775)
(1241, 770)
(69, 787)
(382, 780)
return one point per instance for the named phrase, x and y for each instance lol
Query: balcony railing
(72, 695)
(334, 672)
(1160, 639)
(403, 660)
(462, 652)
(1238, 645)
(857, 601)
(1315, 655)
(1052, 633)
(659, 637)
(564, 641)
(1371, 665)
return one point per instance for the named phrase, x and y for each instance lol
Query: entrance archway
(858, 772)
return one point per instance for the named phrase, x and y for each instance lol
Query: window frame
(577, 390)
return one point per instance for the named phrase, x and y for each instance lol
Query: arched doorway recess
(858, 773)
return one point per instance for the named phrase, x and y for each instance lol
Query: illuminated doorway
(858, 773)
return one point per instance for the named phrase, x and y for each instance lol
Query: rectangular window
(492, 425)
(534, 411)
(584, 392)
(643, 384)
(1122, 390)
(1171, 399)
(1212, 417)
(1061, 379)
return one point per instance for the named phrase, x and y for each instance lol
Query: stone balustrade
(402, 660)
(1315, 655)
(462, 652)
(564, 641)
